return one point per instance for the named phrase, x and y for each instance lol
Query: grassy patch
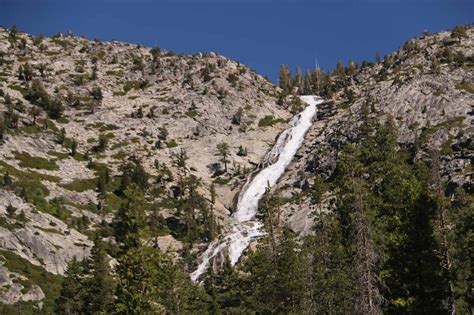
(114, 73)
(119, 93)
(103, 127)
(112, 202)
(119, 155)
(96, 166)
(466, 86)
(446, 147)
(191, 113)
(427, 132)
(29, 161)
(18, 88)
(118, 145)
(52, 53)
(59, 155)
(108, 127)
(168, 203)
(89, 207)
(171, 144)
(10, 226)
(81, 185)
(269, 120)
(221, 181)
(62, 120)
(136, 85)
(49, 123)
(48, 230)
(28, 181)
(30, 129)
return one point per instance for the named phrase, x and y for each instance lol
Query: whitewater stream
(245, 227)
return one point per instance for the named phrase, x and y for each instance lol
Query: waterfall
(245, 227)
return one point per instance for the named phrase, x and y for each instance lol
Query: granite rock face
(431, 106)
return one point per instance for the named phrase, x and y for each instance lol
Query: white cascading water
(246, 227)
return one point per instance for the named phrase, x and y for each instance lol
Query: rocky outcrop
(12, 290)
(429, 100)
(40, 238)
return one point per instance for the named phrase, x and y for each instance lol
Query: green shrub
(191, 113)
(36, 162)
(37, 95)
(466, 86)
(269, 120)
(27, 182)
(171, 144)
(81, 185)
(136, 85)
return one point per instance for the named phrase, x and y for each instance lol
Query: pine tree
(275, 282)
(140, 176)
(360, 216)
(130, 221)
(141, 274)
(460, 239)
(7, 180)
(163, 135)
(34, 111)
(316, 80)
(402, 234)
(102, 143)
(61, 136)
(307, 89)
(155, 52)
(25, 73)
(459, 32)
(269, 208)
(330, 283)
(285, 79)
(237, 117)
(223, 289)
(298, 81)
(70, 300)
(223, 151)
(94, 73)
(351, 68)
(99, 285)
(339, 71)
(73, 147)
(126, 177)
(435, 66)
(13, 35)
(149, 283)
(442, 227)
(3, 127)
(101, 185)
(377, 57)
(96, 93)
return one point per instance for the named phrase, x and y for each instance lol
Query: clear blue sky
(260, 33)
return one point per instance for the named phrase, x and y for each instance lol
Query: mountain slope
(118, 103)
